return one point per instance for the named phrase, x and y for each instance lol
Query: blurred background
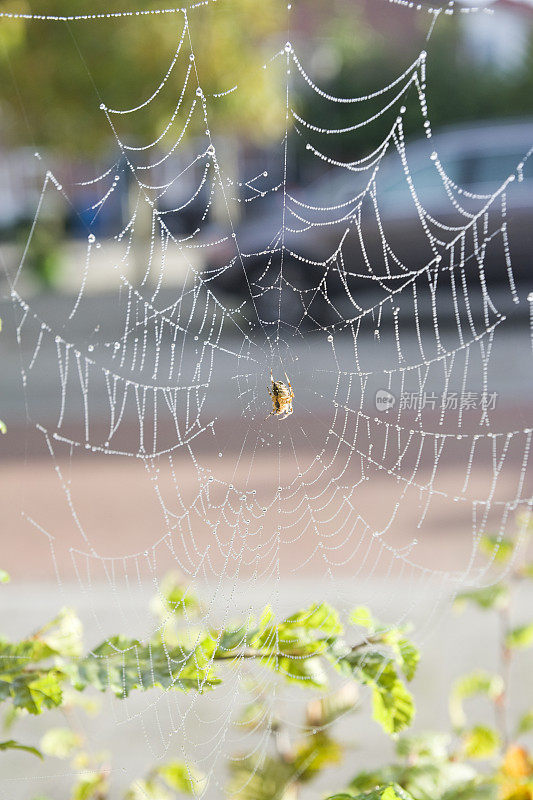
(480, 73)
(479, 86)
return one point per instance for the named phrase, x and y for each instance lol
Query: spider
(281, 397)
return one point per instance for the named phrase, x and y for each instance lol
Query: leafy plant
(302, 648)
(445, 766)
(474, 761)
(50, 670)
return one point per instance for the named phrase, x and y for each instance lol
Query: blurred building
(21, 177)
(488, 36)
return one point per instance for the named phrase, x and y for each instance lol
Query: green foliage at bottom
(310, 649)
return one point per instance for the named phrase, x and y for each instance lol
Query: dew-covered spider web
(372, 290)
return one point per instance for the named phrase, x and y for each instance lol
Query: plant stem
(505, 668)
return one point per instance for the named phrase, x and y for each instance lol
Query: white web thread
(317, 506)
(433, 9)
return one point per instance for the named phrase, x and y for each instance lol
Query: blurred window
(426, 179)
(494, 168)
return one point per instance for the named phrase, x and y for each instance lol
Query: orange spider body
(282, 397)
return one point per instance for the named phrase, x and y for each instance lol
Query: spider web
(172, 385)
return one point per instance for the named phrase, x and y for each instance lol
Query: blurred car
(184, 189)
(21, 182)
(457, 199)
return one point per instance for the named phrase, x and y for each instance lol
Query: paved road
(229, 443)
(132, 523)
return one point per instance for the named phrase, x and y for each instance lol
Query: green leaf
(481, 742)
(92, 786)
(342, 796)
(362, 617)
(410, 656)
(234, 639)
(260, 778)
(64, 634)
(393, 706)
(314, 753)
(176, 598)
(60, 742)
(267, 618)
(306, 672)
(121, 665)
(392, 792)
(477, 682)
(33, 691)
(292, 648)
(318, 618)
(26, 677)
(526, 722)
(11, 715)
(425, 746)
(15, 657)
(368, 780)
(495, 596)
(4, 576)
(11, 744)
(405, 651)
(181, 777)
(3, 427)
(407, 654)
(497, 548)
(441, 780)
(46, 691)
(520, 637)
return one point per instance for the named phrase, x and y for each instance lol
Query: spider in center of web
(282, 397)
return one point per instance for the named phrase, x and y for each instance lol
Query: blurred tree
(57, 74)
(458, 88)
